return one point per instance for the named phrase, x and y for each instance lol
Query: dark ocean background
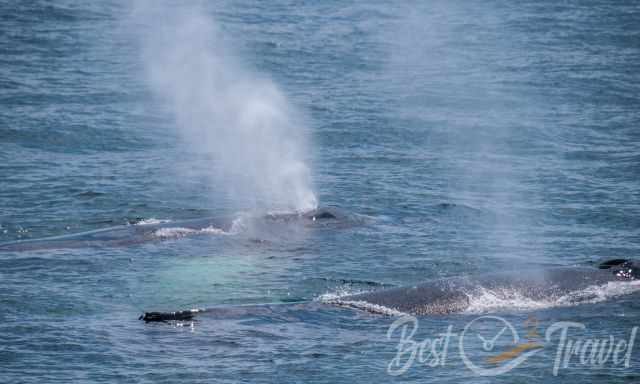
(477, 136)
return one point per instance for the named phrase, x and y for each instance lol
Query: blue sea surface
(477, 136)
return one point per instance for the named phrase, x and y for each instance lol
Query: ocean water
(476, 136)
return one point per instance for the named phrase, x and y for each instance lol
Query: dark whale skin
(444, 296)
(126, 235)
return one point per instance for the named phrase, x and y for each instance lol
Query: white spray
(239, 118)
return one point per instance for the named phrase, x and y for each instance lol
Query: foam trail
(239, 118)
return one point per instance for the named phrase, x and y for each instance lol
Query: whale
(126, 235)
(444, 296)
(554, 285)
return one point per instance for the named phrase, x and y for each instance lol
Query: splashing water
(240, 119)
(486, 300)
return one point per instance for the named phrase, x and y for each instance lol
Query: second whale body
(126, 235)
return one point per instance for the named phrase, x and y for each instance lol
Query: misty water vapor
(240, 118)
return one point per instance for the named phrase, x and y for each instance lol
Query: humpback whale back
(559, 285)
(123, 235)
(455, 294)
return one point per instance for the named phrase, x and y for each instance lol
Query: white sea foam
(239, 224)
(337, 295)
(335, 298)
(369, 307)
(485, 300)
(175, 232)
(152, 221)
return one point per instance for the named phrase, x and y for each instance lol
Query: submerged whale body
(124, 235)
(556, 286)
